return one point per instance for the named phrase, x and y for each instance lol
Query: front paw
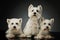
(10, 36)
(38, 37)
(49, 37)
(29, 36)
(22, 35)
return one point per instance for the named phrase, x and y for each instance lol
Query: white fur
(32, 25)
(31, 13)
(11, 32)
(45, 33)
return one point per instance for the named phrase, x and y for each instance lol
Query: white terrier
(32, 26)
(45, 29)
(14, 27)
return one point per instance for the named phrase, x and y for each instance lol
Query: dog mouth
(14, 29)
(34, 15)
(46, 29)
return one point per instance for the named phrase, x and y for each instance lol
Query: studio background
(19, 9)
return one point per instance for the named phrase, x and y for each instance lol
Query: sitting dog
(14, 28)
(45, 27)
(32, 25)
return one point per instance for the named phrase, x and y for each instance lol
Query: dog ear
(40, 7)
(30, 6)
(52, 20)
(8, 20)
(20, 20)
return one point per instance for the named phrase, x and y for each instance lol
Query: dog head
(34, 11)
(14, 23)
(46, 24)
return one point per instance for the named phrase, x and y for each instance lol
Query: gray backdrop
(19, 9)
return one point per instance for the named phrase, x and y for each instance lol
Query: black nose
(34, 13)
(47, 27)
(14, 26)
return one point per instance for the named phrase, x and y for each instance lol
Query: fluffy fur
(32, 25)
(14, 28)
(46, 26)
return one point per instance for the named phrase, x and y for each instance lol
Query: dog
(14, 27)
(32, 25)
(45, 28)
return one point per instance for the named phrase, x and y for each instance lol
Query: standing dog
(32, 25)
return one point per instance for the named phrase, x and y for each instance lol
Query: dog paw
(49, 37)
(22, 35)
(10, 36)
(29, 36)
(36, 37)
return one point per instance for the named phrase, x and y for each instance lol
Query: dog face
(14, 23)
(35, 11)
(46, 24)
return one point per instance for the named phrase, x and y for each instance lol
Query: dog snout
(14, 27)
(47, 27)
(34, 13)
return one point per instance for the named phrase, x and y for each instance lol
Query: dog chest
(33, 22)
(45, 33)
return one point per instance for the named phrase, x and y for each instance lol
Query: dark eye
(16, 23)
(12, 23)
(32, 10)
(49, 24)
(37, 10)
(44, 23)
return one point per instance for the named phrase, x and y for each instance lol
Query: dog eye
(49, 24)
(32, 10)
(16, 23)
(12, 23)
(44, 23)
(37, 10)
